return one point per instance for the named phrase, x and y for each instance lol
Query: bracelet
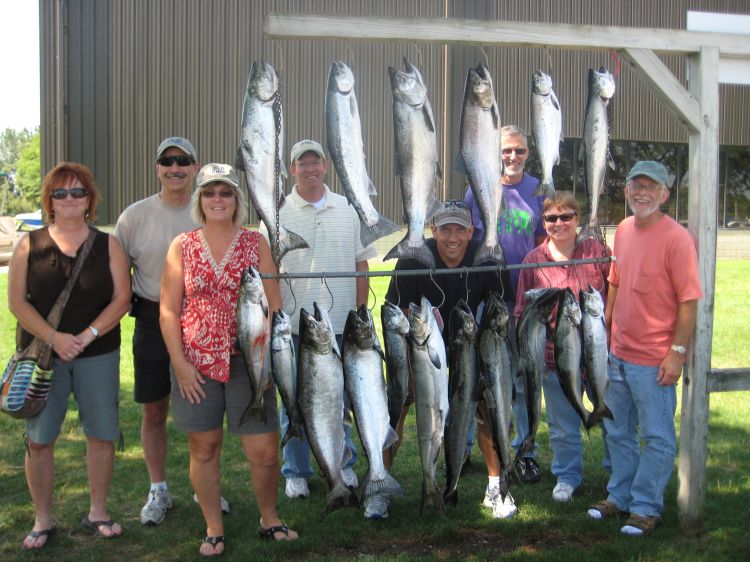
(94, 331)
(52, 337)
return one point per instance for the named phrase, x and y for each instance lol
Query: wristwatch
(96, 332)
(679, 349)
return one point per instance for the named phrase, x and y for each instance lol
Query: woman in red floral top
(561, 219)
(199, 294)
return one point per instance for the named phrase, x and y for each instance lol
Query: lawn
(543, 530)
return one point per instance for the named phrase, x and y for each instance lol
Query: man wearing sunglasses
(654, 289)
(520, 230)
(453, 248)
(146, 229)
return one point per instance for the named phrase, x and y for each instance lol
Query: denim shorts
(231, 398)
(95, 383)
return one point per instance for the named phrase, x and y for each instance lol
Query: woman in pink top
(199, 294)
(561, 219)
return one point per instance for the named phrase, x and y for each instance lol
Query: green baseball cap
(652, 169)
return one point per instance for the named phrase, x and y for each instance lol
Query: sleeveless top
(209, 306)
(48, 272)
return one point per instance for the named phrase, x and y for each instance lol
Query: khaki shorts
(231, 398)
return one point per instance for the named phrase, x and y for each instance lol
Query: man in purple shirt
(520, 230)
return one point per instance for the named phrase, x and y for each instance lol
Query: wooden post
(703, 80)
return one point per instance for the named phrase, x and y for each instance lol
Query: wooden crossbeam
(728, 380)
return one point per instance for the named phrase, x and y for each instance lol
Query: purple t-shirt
(519, 223)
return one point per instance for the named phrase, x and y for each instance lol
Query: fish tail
(489, 253)
(292, 431)
(288, 241)
(340, 497)
(254, 410)
(597, 416)
(431, 497)
(403, 250)
(383, 227)
(590, 231)
(386, 486)
(546, 188)
(451, 496)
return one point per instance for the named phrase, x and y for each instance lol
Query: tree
(20, 158)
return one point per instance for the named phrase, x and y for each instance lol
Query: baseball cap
(178, 142)
(652, 169)
(217, 172)
(453, 212)
(307, 146)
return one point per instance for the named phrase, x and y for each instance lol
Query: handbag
(28, 376)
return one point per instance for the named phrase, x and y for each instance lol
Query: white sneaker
(376, 507)
(504, 509)
(297, 488)
(350, 477)
(155, 510)
(490, 495)
(562, 492)
(224, 504)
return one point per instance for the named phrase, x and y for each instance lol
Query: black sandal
(271, 531)
(213, 541)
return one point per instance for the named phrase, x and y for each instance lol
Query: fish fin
(489, 253)
(289, 241)
(239, 161)
(292, 431)
(431, 497)
(390, 438)
(420, 253)
(397, 171)
(545, 188)
(495, 115)
(438, 172)
(590, 232)
(451, 496)
(459, 165)
(340, 497)
(433, 205)
(434, 357)
(383, 227)
(611, 161)
(386, 486)
(347, 420)
(371, 188)
(553, 98)
(428, 117)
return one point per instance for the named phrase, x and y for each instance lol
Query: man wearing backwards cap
(146, 229)
(653, 292)
(453, 247)
(330, 226)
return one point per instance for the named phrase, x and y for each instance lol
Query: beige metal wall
(119, 75)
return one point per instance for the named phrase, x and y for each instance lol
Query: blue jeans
(564, 433)
(296, 452)
(639, 475)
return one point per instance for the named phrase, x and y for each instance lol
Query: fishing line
(374, 297)
(352, 59)
(419, 56)
(439, 289)
(323, 280)
(486, 58)
(291, 290)
(466, 271)
(280, 53)
(549, 61)
(398, 289)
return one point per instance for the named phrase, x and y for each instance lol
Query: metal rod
(445, 271)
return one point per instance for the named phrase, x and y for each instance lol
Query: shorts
(95, 383)
(150, 356)
(231, 398)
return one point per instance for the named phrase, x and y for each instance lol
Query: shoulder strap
(53, 318)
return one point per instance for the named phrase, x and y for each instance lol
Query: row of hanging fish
(580, 345)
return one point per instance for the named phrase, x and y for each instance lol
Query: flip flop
(49, 533)
(270, 532)
(213, 541)
(97, 525)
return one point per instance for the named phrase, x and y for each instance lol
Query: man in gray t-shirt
(146, 229)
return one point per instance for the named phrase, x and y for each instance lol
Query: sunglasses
(224, 194)
(518, 151)
(182, 161)
(565, 217)
(76, 193)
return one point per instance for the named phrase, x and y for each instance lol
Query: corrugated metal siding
(135, 71)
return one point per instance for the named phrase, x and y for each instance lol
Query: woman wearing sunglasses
(561, 216)
(198, 317)
(85, 344)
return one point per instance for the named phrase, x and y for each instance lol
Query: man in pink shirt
(653, 292)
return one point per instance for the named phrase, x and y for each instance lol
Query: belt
(145, 302)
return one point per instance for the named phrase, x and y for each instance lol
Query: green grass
(543, 530)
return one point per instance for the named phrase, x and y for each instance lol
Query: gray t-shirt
(146, 229)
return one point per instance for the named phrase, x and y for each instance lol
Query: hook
(351, 55)
(439, 289)
(549, 60)
(372, 292)
(323, 280)
(291, 290)
(486, 58)
(466, 271)
(280, 53)
(499, 273)
(419, 56)
(398, 289)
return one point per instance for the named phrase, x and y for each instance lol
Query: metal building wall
(119, 75)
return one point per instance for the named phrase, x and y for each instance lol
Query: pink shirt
(209, 307)
(656, 269)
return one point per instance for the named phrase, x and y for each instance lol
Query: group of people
(186, 250)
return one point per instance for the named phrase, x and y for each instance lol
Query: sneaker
(528, 470)
(297, 488)
(350, 477)
(490, 495)
(224, 504)
(155, 510)
(376, 507)
(562, 492)
(504, 508)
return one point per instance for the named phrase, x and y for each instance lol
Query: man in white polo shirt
(330, 226)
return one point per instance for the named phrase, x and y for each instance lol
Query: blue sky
(19, 64)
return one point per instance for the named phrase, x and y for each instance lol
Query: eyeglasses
(565, 217)
(224, 194)
(455, 203)
(182, 161)
(651, 187)
(518, 151)
(75, 192)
